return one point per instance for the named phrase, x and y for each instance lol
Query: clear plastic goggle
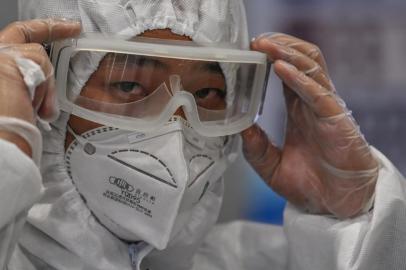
(139, 84)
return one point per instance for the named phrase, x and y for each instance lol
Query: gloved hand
(21, 51)
(23, 40)
(325, 166)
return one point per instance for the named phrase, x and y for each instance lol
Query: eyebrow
(148, 61)
(212, 67)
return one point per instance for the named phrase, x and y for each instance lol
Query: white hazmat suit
(60, 232)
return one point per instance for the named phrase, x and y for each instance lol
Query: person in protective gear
(347, 208)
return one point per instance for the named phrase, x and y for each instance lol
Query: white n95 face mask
(144, 186)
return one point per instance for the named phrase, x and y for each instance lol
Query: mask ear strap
(86, 145)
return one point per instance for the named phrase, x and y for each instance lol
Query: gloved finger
(49, 109)
(44, 99)
(259, 151)
(14, 101)
(39, 31)
(302, 62)
(293, 103)
(37, 53)
(307, 48)
(322, 101)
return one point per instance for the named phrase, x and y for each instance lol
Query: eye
(128, 87)
(209, 93)
(126, 91)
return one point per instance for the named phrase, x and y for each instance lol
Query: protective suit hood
(203, 21)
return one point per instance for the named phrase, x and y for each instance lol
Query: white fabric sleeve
(243, 245)
(28, 132)
(20, 187)
(373, 241)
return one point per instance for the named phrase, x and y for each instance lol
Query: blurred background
(363, 42)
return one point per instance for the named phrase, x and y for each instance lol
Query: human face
(141, 76)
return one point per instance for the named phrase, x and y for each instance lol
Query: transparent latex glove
(325, 165)
(22, 40)
(20, 46)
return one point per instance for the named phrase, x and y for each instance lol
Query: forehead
(115, 60)
(120, 62)
(167, 63)
(164, 34)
